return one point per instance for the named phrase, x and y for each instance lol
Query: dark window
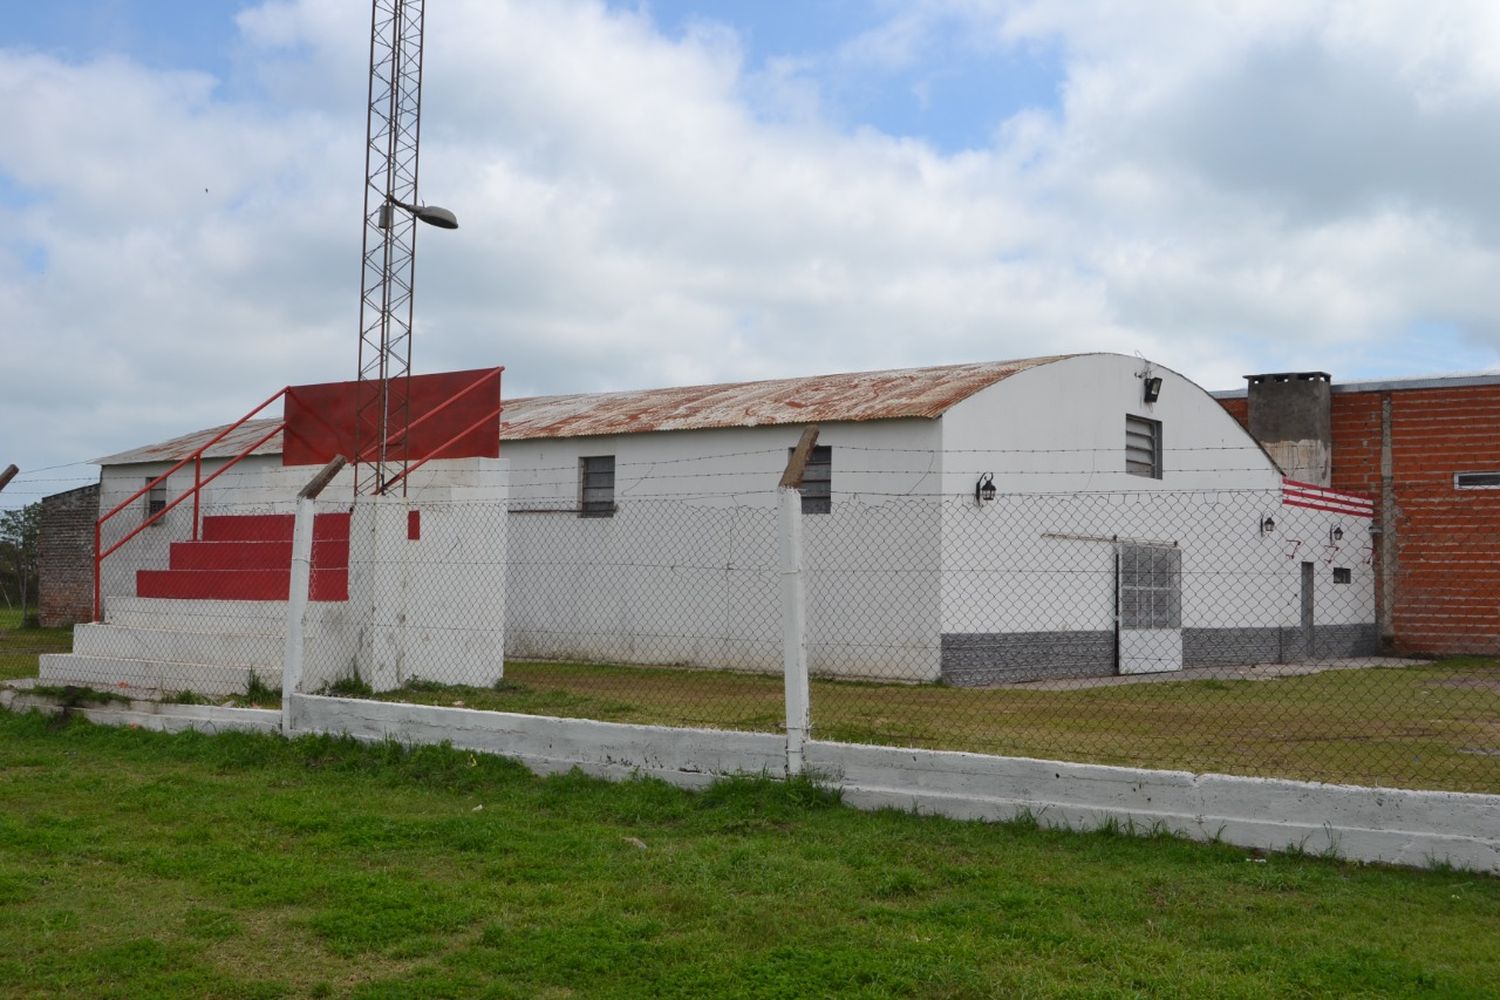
(1342, 575)
(1150, 586)
(156, 498)
(1143, 447)
(817, 481)
(596, 486)
(1477, 481)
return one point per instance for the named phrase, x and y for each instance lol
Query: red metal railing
(199, 482)
(488, 375)
(100, 553)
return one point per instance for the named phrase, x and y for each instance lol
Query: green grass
(1431, 726)
(20, 647)
(142, 864)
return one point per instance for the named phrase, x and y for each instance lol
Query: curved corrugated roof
(855, 396)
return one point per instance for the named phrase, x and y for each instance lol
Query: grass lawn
(140, 864)
(1431, 726)
(19, 647)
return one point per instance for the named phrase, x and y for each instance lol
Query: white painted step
(164, 676)
(166, 614)
(226, 649)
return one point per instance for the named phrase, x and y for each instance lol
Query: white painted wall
(429, 608)
(1054, 438)
(685, 572)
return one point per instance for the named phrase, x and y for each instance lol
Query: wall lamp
(1152, 389)
(1268, 525)
(984, 490)
(1335, 534)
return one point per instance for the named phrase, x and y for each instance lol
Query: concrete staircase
(210, 621)
(151, 647)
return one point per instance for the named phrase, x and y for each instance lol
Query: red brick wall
(1447, 579)
(67, 556)
(1239, 409)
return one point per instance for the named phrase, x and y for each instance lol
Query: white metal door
(1148, 588)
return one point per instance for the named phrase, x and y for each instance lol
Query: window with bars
(1476, 481)
(1143, 447)
(1150, 586)
(156, 499)
(596, 486)
(817, 481)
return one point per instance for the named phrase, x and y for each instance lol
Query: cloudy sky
(666, 192)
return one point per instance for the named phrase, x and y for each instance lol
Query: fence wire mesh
(189, 613)
(1204, 631)
(1223, 631)
(661, 612)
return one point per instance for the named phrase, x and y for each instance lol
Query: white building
(1136, 526)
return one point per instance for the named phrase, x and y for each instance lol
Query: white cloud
(1225, 187)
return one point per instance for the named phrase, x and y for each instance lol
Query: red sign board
(447, 415)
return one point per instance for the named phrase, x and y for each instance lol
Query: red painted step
(247, 557)
(328, 552)
(270, 527)
(237, 584)
(248, 527)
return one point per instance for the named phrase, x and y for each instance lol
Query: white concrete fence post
(300, 586)
(794, 603)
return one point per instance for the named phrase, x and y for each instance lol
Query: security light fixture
(1335, 535)
(1268, 525)
(1153, 388)
(984, 490)
(430, 214)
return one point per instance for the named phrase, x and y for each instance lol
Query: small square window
(156, 499)
(1342, 574)
(817, 481)
(1143, 447)
(596, 486)
(1476, 481)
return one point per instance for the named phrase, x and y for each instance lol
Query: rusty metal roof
(902, 392)
(858, 396)
(234, 443)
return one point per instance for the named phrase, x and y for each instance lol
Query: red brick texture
(1447, 576)
(66, 556)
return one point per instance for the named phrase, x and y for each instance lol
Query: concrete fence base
(1398, 826)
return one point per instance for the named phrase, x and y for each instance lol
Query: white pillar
(793, 621)
(296, 608)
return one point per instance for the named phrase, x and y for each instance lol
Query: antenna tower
(390, 244)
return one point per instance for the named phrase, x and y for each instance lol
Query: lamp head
(430, 214)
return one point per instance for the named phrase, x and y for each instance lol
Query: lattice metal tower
(392, 136)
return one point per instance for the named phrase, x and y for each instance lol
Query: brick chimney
(1290, 414)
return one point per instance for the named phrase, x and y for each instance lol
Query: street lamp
(430, 214)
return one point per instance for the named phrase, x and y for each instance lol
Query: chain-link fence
(661, 612)
(1231, 631)
(193, 607)
(1223, 632)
